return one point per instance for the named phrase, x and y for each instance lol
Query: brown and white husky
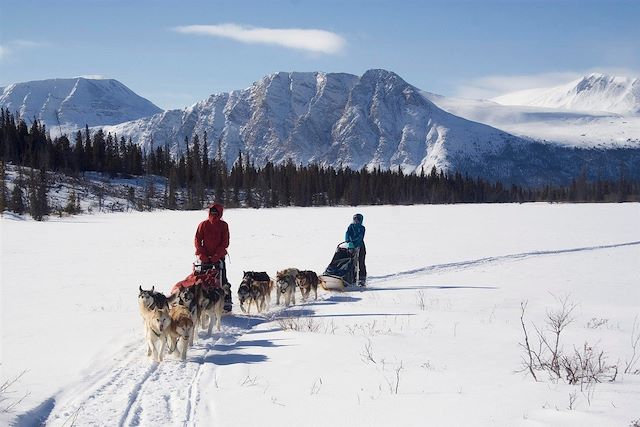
(181, 330)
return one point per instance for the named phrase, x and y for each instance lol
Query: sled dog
(210, 306)
(150, 299)
(286, 283)
(260, 285)
(248, 293)
(157, 323)
(181, 329)
(244, 295)
(306, 281)
(188, 297)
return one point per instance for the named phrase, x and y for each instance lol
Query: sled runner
(341, 270)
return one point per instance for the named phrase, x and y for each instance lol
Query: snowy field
(434, 339)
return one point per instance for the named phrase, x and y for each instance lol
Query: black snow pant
(228, 304)
(361, 268)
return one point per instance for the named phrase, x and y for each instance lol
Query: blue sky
(178, 52)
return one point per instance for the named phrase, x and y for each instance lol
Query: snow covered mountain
(337, 119)
(67, 104)
(373, 120)
(376, 120)
(579, 129)
(595, 92)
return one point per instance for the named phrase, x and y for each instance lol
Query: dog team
(256, 287)
(201, 299)
(171, 322)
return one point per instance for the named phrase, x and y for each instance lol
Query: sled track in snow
(170, 394)
(491, 260)
(137, 391)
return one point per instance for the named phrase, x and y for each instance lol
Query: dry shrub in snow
(298, 323)
(8, 400)
(630, 364)
(587, 365)
(545, 352)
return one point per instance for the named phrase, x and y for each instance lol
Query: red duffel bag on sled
(206, 274)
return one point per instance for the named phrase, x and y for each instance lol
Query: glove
(203, 258)
(350, 245)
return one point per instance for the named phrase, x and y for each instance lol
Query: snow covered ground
(433, 340)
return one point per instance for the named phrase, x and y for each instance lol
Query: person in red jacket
(212, 241)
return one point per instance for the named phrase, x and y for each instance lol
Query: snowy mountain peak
(373, 120)
(66, 104)
(594, 92)
(603, 83)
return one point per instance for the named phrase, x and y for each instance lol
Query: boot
(228, 303)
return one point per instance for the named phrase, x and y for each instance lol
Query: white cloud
(495, 85)
(11, 47)
(312, 40)
(26, 43)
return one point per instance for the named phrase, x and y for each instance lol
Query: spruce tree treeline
(193, 178)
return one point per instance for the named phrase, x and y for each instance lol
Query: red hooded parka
(212, 237)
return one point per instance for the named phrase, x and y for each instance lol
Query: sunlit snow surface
(443, 303)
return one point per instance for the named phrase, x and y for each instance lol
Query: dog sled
(208, 275)
(340, 272)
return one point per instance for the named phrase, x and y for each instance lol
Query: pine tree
(98, 153)
(17, 195)
(88, 151)
(219, 172)
(100, 194)
(172, 184)
(149, 194)
(73, 204)
(38, 205)
(131, 197)
(3, 187)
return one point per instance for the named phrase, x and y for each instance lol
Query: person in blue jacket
(355, 240)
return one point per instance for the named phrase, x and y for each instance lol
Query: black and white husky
(150, 299)
(210, 307)
(244, 295)
(286, 285)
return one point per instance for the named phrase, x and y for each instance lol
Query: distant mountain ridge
(376, 120)
(68, 104)
(373, 120)
(595, 92)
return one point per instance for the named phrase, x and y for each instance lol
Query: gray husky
(286, 285)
